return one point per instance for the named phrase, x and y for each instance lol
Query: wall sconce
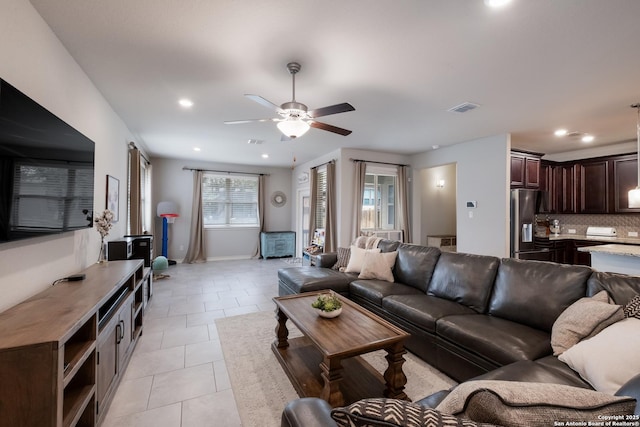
(440, 183)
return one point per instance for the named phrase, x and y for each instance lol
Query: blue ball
(160, 264)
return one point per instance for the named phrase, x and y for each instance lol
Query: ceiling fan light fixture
(293, 128)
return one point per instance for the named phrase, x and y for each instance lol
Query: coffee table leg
(282, 333)
(394, 376)
(332, 376)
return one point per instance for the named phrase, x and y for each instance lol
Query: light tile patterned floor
(177, 375)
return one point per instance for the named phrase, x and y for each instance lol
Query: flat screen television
(46, 170)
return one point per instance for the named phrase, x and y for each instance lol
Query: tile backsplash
(624, 223)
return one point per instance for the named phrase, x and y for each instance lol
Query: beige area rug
(262, 389)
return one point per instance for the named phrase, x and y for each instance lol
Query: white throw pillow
(378, 266)
(609, 359)
(356, 259)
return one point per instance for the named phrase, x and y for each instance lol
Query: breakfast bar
(615, 258)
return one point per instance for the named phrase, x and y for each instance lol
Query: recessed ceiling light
(560, 132)
(196, 148)
(186, 103)
(265, 156)
(588, 138)
(496, 3)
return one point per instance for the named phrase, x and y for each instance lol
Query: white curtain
(196, 252)
(403, 200)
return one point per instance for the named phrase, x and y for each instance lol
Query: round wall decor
(278, 199)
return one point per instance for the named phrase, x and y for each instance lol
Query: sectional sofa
(471, 316)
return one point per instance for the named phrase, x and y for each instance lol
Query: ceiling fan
(294, 118)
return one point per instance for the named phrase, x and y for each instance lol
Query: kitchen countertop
(624, 250)
(603, 239)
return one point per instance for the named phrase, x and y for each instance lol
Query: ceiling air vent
(463, 108)
(255, 141)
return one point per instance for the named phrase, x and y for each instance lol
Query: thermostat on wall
(472, 204)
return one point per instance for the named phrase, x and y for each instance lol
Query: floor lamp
(168, 211)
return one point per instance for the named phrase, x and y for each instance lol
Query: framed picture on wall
(113, 196)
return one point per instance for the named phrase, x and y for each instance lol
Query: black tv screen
(46, 170)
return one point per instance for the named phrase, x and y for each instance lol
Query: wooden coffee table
(325, 361)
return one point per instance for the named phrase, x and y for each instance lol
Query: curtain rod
(185, 168)
(133, 145)
(380, 163)
(322, 164)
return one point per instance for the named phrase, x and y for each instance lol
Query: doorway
(303, 207)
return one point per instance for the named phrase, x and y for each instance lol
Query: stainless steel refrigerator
(524, 204)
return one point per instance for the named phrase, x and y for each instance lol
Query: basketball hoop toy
(168, 211)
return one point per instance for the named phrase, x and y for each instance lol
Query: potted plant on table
(328, 305)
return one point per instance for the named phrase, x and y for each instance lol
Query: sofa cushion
(386, 245)
(309, 279)
(422, 310)
(514, 403)
(632, 309)
(378, 266)
(609, 359)
(374, 290)
(583, 319)
(621, 287)
(415, 265)
(535, 371)
(497, 340)
(534, 293)
(464, 278)
(394, 413)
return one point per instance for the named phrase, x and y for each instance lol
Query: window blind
(230, 200)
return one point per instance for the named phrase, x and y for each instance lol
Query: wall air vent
(255, 141)
(463, 108)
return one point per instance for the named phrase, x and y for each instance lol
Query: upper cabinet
(525, 170)
(589, 186)
(625, 178)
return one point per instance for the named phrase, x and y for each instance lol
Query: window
(230, 200)
(379, 200)
(321, 198)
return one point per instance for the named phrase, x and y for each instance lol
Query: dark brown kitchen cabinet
(548, 184)
(594, 187)
(577, 257)
(566, 178)
(525, 170)
(625, 178)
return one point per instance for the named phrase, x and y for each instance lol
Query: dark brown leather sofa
(470, 316)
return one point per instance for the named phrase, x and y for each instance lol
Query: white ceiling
(533, 66)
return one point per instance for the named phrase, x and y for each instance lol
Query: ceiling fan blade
(332, 109)
(330, 128)
(260, 100)
(237, 122)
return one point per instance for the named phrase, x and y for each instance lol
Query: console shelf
(51, 344)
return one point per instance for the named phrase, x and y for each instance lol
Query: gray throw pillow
(583, 319)
(343, 259)
(514, 403)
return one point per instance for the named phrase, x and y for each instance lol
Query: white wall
(171, 183)
(438, 204)
(482, 167)
(34, 61)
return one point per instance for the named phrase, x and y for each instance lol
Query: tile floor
(177, 375)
